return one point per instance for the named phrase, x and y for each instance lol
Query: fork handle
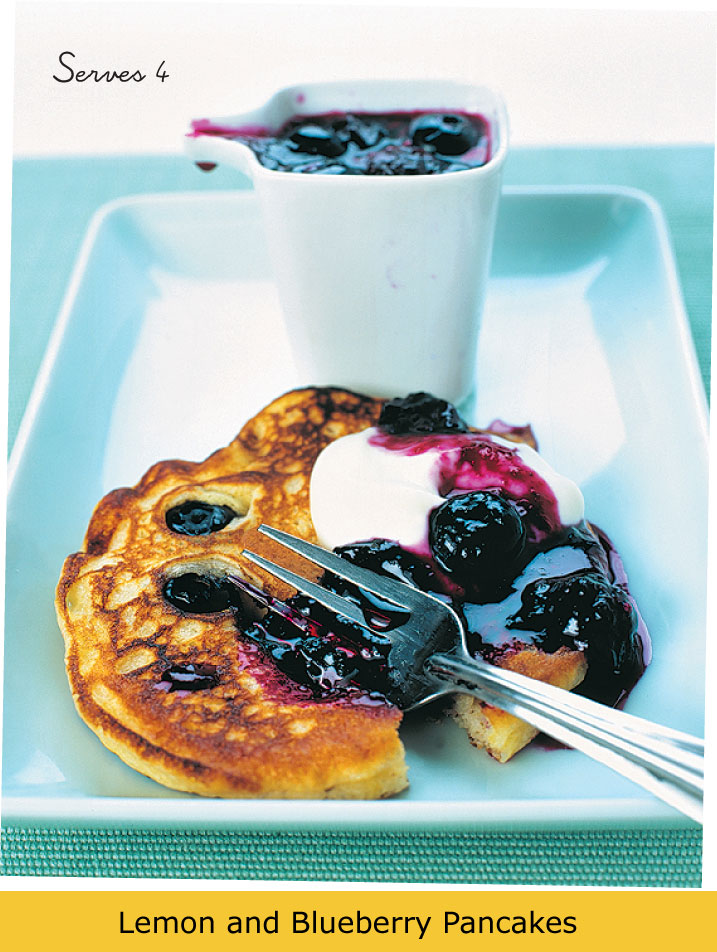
(668, 763)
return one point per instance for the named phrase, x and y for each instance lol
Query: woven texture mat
(625, 858)
(53, 201)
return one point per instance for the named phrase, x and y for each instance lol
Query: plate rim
(436, 816)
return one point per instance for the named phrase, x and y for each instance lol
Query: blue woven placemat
(53, 201)
(626, 858)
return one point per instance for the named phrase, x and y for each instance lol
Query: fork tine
(335, 603)
(403, 596)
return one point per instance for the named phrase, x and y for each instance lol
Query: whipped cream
(372, 486)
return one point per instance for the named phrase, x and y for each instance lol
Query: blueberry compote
(327, 655)
(322, 656)
(420, 413)
(495, 549)
(400, 143)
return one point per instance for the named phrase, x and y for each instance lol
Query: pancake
(501, 734)
(180, 695)
(247, 731)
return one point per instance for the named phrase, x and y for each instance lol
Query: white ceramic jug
(381, 278)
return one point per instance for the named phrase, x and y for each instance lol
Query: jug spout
(207, 144)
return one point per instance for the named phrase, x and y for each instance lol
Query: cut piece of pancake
(246, 730)
(251, 732)
(501, 734)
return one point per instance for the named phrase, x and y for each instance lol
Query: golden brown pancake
(501, 734)
(253, 734)
(250, 731)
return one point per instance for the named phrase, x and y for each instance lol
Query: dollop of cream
(362, 490)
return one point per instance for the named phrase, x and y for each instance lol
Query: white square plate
(171, 337)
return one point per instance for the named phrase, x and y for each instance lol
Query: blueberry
(326, 665)
(198, 518)
(477, 538)
(363, 133)
(448, 134)
(366, 135)
(190, 677)
(200, 594)
(584, 610)
(420, 413)
(317, 140)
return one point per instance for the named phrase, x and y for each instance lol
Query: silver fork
(429, 656)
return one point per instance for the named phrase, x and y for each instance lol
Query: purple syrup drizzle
(473, 461)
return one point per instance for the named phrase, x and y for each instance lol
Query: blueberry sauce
(566, 596)
(523, 434)
(397, 143)
(327, 655)
(472, 462)
(496, 550)
(516, 575)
